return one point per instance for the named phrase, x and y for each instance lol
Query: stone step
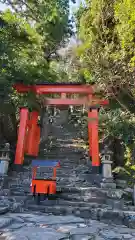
(28, 200)
(73, 197)
(64, 142)
(71, 147)
(94, 191)
(62, 150)
(62, 210)
(66, 173)
(18, 193)
(89, 193)
(104, 213)
(64, 146)
(22, 184)
(66, 157)
(61, 202)
(14, 198)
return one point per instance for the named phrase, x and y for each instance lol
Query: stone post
(107, 181)
(134, 194)
(6, 150)
(4, 160)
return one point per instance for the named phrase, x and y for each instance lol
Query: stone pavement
(22, 226)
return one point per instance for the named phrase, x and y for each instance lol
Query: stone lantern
(107, 177)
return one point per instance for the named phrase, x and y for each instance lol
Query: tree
(68, 68)
(107, 51)
(29, 39)
(50, 18)
(107, 60)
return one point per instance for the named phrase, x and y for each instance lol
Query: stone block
(108, 185)
(115, 193)
(50, 219)
(121, 183)
(86, 230)
(5, 221)
(67, 228)
(111, 215)
(116, 204)
(111, 235)
(99, 238)
(81, 237)
(127, 236)
(36, 233)
(15, 226)
(4, 206)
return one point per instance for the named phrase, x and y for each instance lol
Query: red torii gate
(29, 131)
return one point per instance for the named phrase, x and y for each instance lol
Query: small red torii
(29, 131)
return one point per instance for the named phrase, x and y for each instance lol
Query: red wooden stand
(45, 187)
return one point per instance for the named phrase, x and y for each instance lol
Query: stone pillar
(107, 181)
(107, 168)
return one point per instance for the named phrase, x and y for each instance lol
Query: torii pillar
(28, 135)
(93, 137)
(20, 148)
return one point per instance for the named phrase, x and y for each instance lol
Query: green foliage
(21, 56)
(107, 48)
(106, 29)
(117, 123)
(29, 39)
(107, 55)
(50, 18)
(125, 17)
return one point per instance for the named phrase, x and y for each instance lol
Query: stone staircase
(79, 191)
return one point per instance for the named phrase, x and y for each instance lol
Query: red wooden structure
(44, 186)
(29, 131)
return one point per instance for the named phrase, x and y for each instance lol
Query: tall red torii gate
(29, 131)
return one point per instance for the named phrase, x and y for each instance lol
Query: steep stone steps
(101, 212)
(80, 193)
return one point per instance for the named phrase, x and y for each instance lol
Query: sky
(2, 6)
(76, 5)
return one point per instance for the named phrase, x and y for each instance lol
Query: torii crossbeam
(29, 131)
